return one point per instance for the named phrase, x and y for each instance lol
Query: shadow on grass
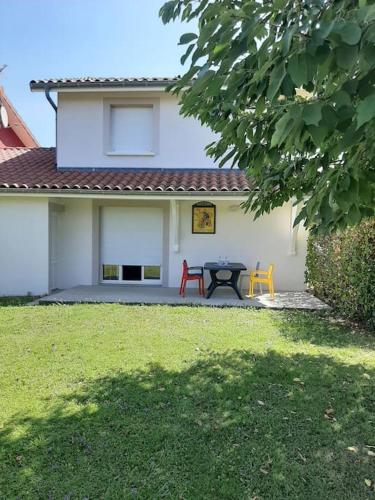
(229, 426)
(320, 328)
(14, 301)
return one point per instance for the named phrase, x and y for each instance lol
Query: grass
(110, 401)
(16, 301)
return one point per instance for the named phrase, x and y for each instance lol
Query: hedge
(341, 271)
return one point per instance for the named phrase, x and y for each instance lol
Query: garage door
(131, 245)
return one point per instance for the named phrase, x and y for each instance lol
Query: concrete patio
(133, 294)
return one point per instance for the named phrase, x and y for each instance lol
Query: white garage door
(131, 244)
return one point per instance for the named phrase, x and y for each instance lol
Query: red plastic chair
(191, 274)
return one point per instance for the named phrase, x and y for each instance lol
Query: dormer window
(133, 128)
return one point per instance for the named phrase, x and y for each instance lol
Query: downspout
(54, 106)
(49, 98)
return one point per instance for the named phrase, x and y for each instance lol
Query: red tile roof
(9, 139)
(16, 134)
(30, 169)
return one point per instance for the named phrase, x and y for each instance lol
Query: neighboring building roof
(90, 81)
(17, 133)
(34, 169)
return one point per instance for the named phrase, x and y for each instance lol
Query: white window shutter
(132, 129)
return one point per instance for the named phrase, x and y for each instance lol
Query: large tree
(289, 87)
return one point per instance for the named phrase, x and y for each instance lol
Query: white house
(113, 203)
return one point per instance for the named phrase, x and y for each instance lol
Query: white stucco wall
(82, 133)
(24, 246)
(78, 239)
(75, 245)
(242, 239)
(237, 237)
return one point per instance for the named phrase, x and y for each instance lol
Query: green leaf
(325, 28)
(219, 48)
(318, 134)
(295, 112)
(187, 77)
(276, 78)
(366, 14)
(227, 157)
(215, 86)
(343, 200)
(282, 130)
(354, 215)
(329, 117)
(366, 110)
(369, 54)
(287, 38)
(341, 98)
(207, 31)
(351, 136)
(322, 53)
(345, 182)
(204, 69)
(186, 12)
(346, 56)
(326, 210)
(311, 67)
(280, 4)
(187, 53)
(260, 105)
(197, 54)
(345, 113)
(288, 87)
(350, 86)
(369, 36)
(167, 10)
(187, 37)
(350, 33)
(241, 130)
(202, 80)
(312, 113)
(365, 191)
(297, 69)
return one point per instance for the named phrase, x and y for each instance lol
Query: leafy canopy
(289, 86)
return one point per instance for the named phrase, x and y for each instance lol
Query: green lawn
(110, 401)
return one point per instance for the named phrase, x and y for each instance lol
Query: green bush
(341, 271)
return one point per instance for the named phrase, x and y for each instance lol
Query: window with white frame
(130, 273)
(132, 129)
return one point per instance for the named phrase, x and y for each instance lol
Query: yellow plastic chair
(262, 277)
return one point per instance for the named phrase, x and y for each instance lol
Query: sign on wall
(204, 218)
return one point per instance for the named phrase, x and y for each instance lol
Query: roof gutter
(34, 85)
(117, 194)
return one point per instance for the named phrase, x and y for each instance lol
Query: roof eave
(131, 193)
(41, 86)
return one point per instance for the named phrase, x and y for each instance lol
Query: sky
(73, 38)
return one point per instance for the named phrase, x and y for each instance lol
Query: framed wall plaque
(204, 218)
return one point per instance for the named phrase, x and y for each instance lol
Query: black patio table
(234, 268)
